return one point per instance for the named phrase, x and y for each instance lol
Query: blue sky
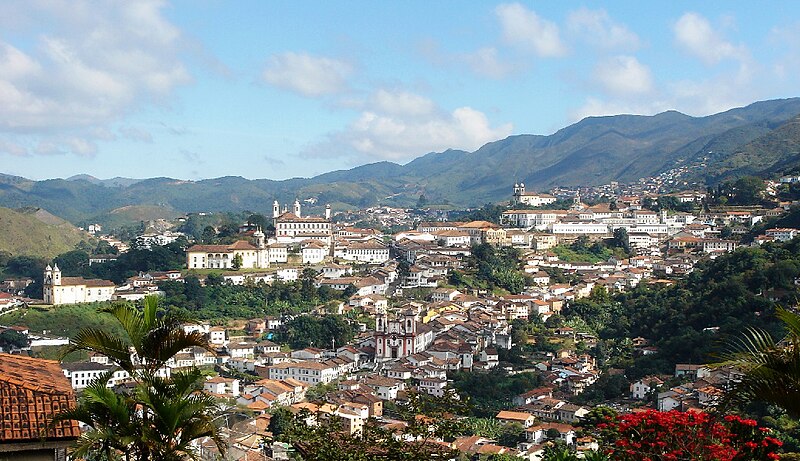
(262, 89)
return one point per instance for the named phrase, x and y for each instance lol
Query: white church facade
(59, 290)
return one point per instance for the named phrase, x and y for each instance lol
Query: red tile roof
(31, 392)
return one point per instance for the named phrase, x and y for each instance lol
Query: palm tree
(160, 416)
(150, 340)
(770, 370)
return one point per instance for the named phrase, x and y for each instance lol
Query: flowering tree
(672, 436)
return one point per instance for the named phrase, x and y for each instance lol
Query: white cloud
(486, 62)
(695, 34)
(402, 103)
(63, 87)
(525, 28)
(400, 126)
(307, 75)
(597, 29)
(624, 75)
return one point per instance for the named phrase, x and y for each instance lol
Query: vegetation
(490, 268)
(678, 435)
(36, 233)
(691, 320)
(218, 300)
(427, 419)
(488, 393)
(160, 417)
(771, 369)
(64, 321)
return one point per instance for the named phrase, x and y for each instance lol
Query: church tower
(276, 209)
(297, 207)
(56, 275)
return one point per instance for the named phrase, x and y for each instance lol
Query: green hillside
(36, 232)
(773, 152)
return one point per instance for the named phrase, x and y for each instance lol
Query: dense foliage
(691, 320)
(487, 393)
(490, 268)
(219, 300)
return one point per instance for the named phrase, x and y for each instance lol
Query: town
(479, 306)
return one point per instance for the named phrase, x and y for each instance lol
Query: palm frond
(105, 343)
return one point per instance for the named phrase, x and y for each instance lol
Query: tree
(236, 263)
(11, 339)
(771, 370)
(422, 201)
(209, 235)
(72, 262)
(160, 417)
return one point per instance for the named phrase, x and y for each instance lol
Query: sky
(201, 89)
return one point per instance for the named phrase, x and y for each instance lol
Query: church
(293, 227)
(530, 198)
(74, 290)
(399, 337)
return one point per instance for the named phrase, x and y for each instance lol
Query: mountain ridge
(595, 150)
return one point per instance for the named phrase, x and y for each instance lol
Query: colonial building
(73, 290)
(222, 256)
(292, 227)
(530, 198)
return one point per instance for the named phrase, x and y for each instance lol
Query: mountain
(774, 152)
(113, 182)
(36, 232)
(761, 138)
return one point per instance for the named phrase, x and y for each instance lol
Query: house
(81, 374)
(222, 386)
(641, 388)
(306, 372)
(539, 433)
(371, 252)
(526, 419)
(314, 252)
(32, 391)
(445, 294)
(225, 256)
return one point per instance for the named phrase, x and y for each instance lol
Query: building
(292, 227)
(371, 251)
(308, 372)
(222, 256)
(530, 198)
(74, 290)
(399, 337)
(32, 391)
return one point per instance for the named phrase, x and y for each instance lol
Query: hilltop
(761, 138)
(36, 232)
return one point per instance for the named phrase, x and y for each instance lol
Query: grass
(25, 234)
(64, 321)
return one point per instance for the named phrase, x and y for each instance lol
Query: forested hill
(693, 320)
(761, 138)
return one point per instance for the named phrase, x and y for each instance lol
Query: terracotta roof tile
(31, 392)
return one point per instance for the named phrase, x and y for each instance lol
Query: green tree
(10, 339)
(771, 370)
(209, 235)
(236, 263)
(160, 417)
